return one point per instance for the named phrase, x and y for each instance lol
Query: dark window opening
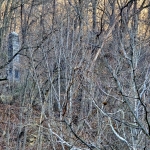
(16, 74)
(10, 71)
(10, 51)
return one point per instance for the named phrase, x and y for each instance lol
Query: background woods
(83, 74)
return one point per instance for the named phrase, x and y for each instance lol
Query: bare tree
(84, 80)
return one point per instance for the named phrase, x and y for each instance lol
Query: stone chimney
(13, 48)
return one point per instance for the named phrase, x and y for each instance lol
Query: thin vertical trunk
(94, 7)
